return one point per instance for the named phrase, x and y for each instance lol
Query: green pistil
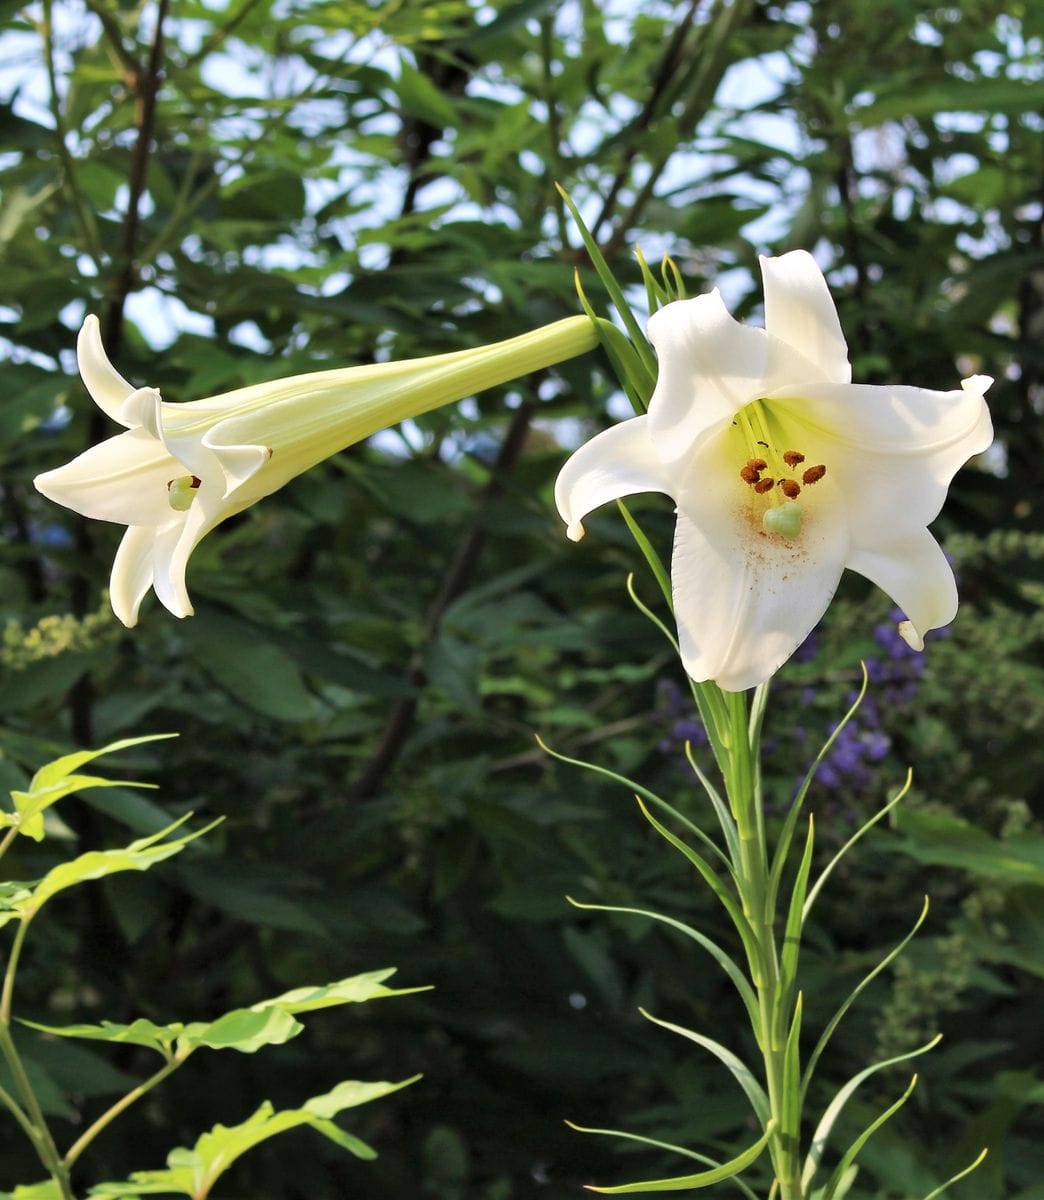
(784, 520)
(181, 492)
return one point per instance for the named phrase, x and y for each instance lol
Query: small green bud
(784, 519)
(182, 491)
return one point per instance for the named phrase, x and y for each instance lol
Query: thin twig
(84, 217)
(131, 66)
(662, 76)
(710, 68)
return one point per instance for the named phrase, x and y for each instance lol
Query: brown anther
(792, 458)
(750, 473)
(765, 485)
(790, 488)
(195, 482)
(813, 475)
(759, 464)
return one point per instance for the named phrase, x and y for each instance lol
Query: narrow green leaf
(686, 1183)
(648, 613)
(791, 1104)
(660, 572)
(54, 772)
(728, 902)
(708, 695)
(835, 1020)
(641, 343)
(673, 280)
(790, 824)
(852, 1152)
(96, 864)
(655, 296)
(864, 828)
(833, 1111)
(743, 1075)
(30, 806)
(160, 1038)
(727, 964)
(194, 1172)
(647, 1141)
(788, 962)
(637, 789)
(269, 1022)
(721, 809)
(960, 1174)
(355, 990)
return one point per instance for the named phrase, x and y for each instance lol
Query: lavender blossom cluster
(849, 769)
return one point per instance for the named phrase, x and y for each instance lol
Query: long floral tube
(180, 469)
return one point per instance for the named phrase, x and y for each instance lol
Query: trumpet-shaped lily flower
(180, 469)
(784, 472)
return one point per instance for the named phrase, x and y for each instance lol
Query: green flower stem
(752, 875)
(8, 838)
(33, 1116)
(121, 1105)
(9, 975)
(735, 736)
(41, 1137)
(15, 1109)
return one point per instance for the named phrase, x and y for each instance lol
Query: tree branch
(456, 580)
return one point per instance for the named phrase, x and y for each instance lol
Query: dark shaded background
(248, 191)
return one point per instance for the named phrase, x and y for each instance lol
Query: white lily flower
(784, 472)
(181, 469)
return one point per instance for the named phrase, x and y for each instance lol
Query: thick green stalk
(752, 872)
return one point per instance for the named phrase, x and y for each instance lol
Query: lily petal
(169, 562)
(123, 479)
(742, 615)
(238, 463)
(800, 311)
(131, 573)
(106, 385)
(891, 450)
(913, 570)
(618, 462)
(711, 366)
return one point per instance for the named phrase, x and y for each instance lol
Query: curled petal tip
(575, 531)
(910, 635)
(106, 385)
(977, 384)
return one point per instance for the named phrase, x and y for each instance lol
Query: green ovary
(784, 519)
(181, 492)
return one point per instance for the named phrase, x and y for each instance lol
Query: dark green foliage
(374, 648)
